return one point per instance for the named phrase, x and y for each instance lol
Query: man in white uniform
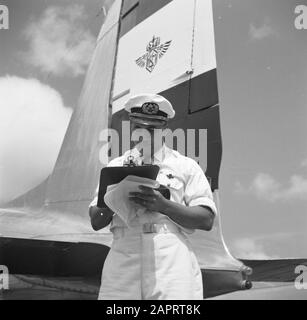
(153, 258)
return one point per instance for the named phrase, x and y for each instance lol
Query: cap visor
(149, 122)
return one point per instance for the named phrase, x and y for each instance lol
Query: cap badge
(150, 108)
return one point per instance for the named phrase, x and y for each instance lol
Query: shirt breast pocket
(174, 183)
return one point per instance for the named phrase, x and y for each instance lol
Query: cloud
(250, 248)
(297, 189)
(264, 186)
(274, 245)
(262, 32)
(33, 122)
(59, 42)
(304, 163)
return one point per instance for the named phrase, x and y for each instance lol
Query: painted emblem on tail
(154, 52)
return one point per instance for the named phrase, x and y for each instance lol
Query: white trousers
(155, 266)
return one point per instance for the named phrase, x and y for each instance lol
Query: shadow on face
(150, 128)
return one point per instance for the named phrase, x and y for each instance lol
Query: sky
(262, 80)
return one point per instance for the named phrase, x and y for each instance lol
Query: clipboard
(113, 175)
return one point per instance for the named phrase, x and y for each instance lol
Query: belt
(147, 228)
(160, 228)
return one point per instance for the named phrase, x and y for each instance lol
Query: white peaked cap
(150, 105)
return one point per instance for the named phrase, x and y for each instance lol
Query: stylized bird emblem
(155, 51)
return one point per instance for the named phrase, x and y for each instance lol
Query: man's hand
(149, 198)
(196, 217)
(100, 217)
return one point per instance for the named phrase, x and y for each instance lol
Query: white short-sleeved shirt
(182, 175)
